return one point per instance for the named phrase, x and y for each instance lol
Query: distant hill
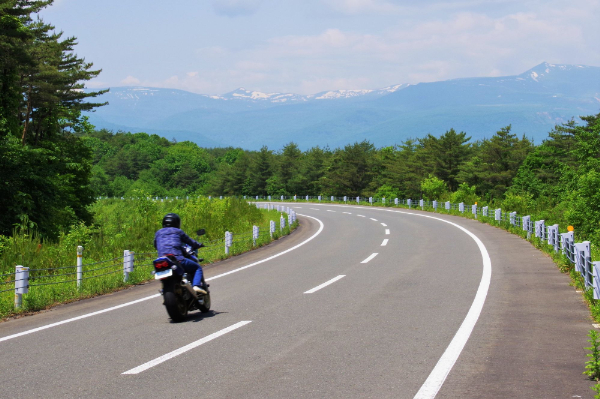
(533, 103)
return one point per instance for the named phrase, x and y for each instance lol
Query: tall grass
(120, 225)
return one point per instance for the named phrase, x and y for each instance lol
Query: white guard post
(290, 219)
(281, 223)
(127, 264)
(513, 218)
(307, 198)
(319, 198)
(332, 199)
(79, 265)
(255, 232)
(498, 214)
(282, 197)
(358, 200)
(409, 202)
(395, 201)
(596, 267)
(345, 199)
(474, 210)
(447, 205)
(272, 227)
(485, 210)
(228, 241)
(371, 200)
(461, 207)
(435, 205)
(21, 284)
(422, 203)
(525, 221)
(539, 228)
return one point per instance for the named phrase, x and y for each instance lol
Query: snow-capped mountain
(532, 103)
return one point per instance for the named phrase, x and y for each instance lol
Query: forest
(558, 179)
(55, 165)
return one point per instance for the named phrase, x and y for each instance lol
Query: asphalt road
(318, 315)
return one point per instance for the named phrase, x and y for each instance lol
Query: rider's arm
(189, 241)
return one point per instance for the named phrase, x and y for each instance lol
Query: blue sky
(308, 46)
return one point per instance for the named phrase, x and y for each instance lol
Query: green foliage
(433, 188)
(522, 204)
(386, 191)
(466, 194)
(584, 212)
(592, 366)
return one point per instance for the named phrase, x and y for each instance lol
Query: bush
(433, 188)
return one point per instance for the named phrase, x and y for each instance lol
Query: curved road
(359, 302)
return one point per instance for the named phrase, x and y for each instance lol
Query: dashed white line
(297, 207)
(361, 216)
(384, 225)
(348, 213)
(384, 243)
(387, 231)
(186, 348)
(370, 258)
(375, 220)
(329, 210)
(318, 287)
(315, 209)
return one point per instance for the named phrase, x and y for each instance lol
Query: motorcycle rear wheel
(176, 308)
(205, 308)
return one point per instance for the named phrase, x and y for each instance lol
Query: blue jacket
(170, 240)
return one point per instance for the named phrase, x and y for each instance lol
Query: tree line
(45, 169)
(559, 178)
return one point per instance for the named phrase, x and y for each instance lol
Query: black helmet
(171, 220)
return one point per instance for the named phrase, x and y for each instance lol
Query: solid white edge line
(276, 255)
(384, 243)
(370, 258)
(438, 375)
(76, 318)
(184, 349)
(333, 280)
(321, 226)
(387, 231)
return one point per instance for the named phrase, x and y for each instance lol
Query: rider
(170, 240)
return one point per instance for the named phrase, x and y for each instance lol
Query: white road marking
(186, 348)
(375, 220)
(387, 231)
(349, 213)
(384, 225)
(85, 316)
(315, 209)
(329, 210)
(361, 216)
(384, 243)
(321, 226)
(438, 375)
(318, 287)
(370, 258)
(297, 207)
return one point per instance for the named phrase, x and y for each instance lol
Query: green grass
(121, 225)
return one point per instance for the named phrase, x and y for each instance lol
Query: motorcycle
(178, 294)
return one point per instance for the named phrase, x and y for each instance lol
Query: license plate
(163, 274)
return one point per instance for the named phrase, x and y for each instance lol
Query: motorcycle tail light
(163, 264)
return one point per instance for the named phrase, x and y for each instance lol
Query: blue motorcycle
(177, 291)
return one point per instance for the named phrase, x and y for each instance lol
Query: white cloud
(236, 8)
(360, 6)
(130, 81)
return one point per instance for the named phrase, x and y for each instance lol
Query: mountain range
(532, 103)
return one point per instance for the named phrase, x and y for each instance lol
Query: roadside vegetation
(122, 225)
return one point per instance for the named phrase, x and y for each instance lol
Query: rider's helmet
(171, 220)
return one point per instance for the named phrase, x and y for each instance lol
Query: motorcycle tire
(176, 308)
(205, 308)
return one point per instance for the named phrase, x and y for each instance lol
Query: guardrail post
(435, 205)
(127, 264)
(596, 285)
(228, 241)
(582, 252)
(255, 234)
(422, 204)
(281, 223)
(272, 228)
(358, 200)
(21, 284)
(539, 228)
(409, 202)
(461, 207)
(513, 218)
(498, 215)
(79, 265)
